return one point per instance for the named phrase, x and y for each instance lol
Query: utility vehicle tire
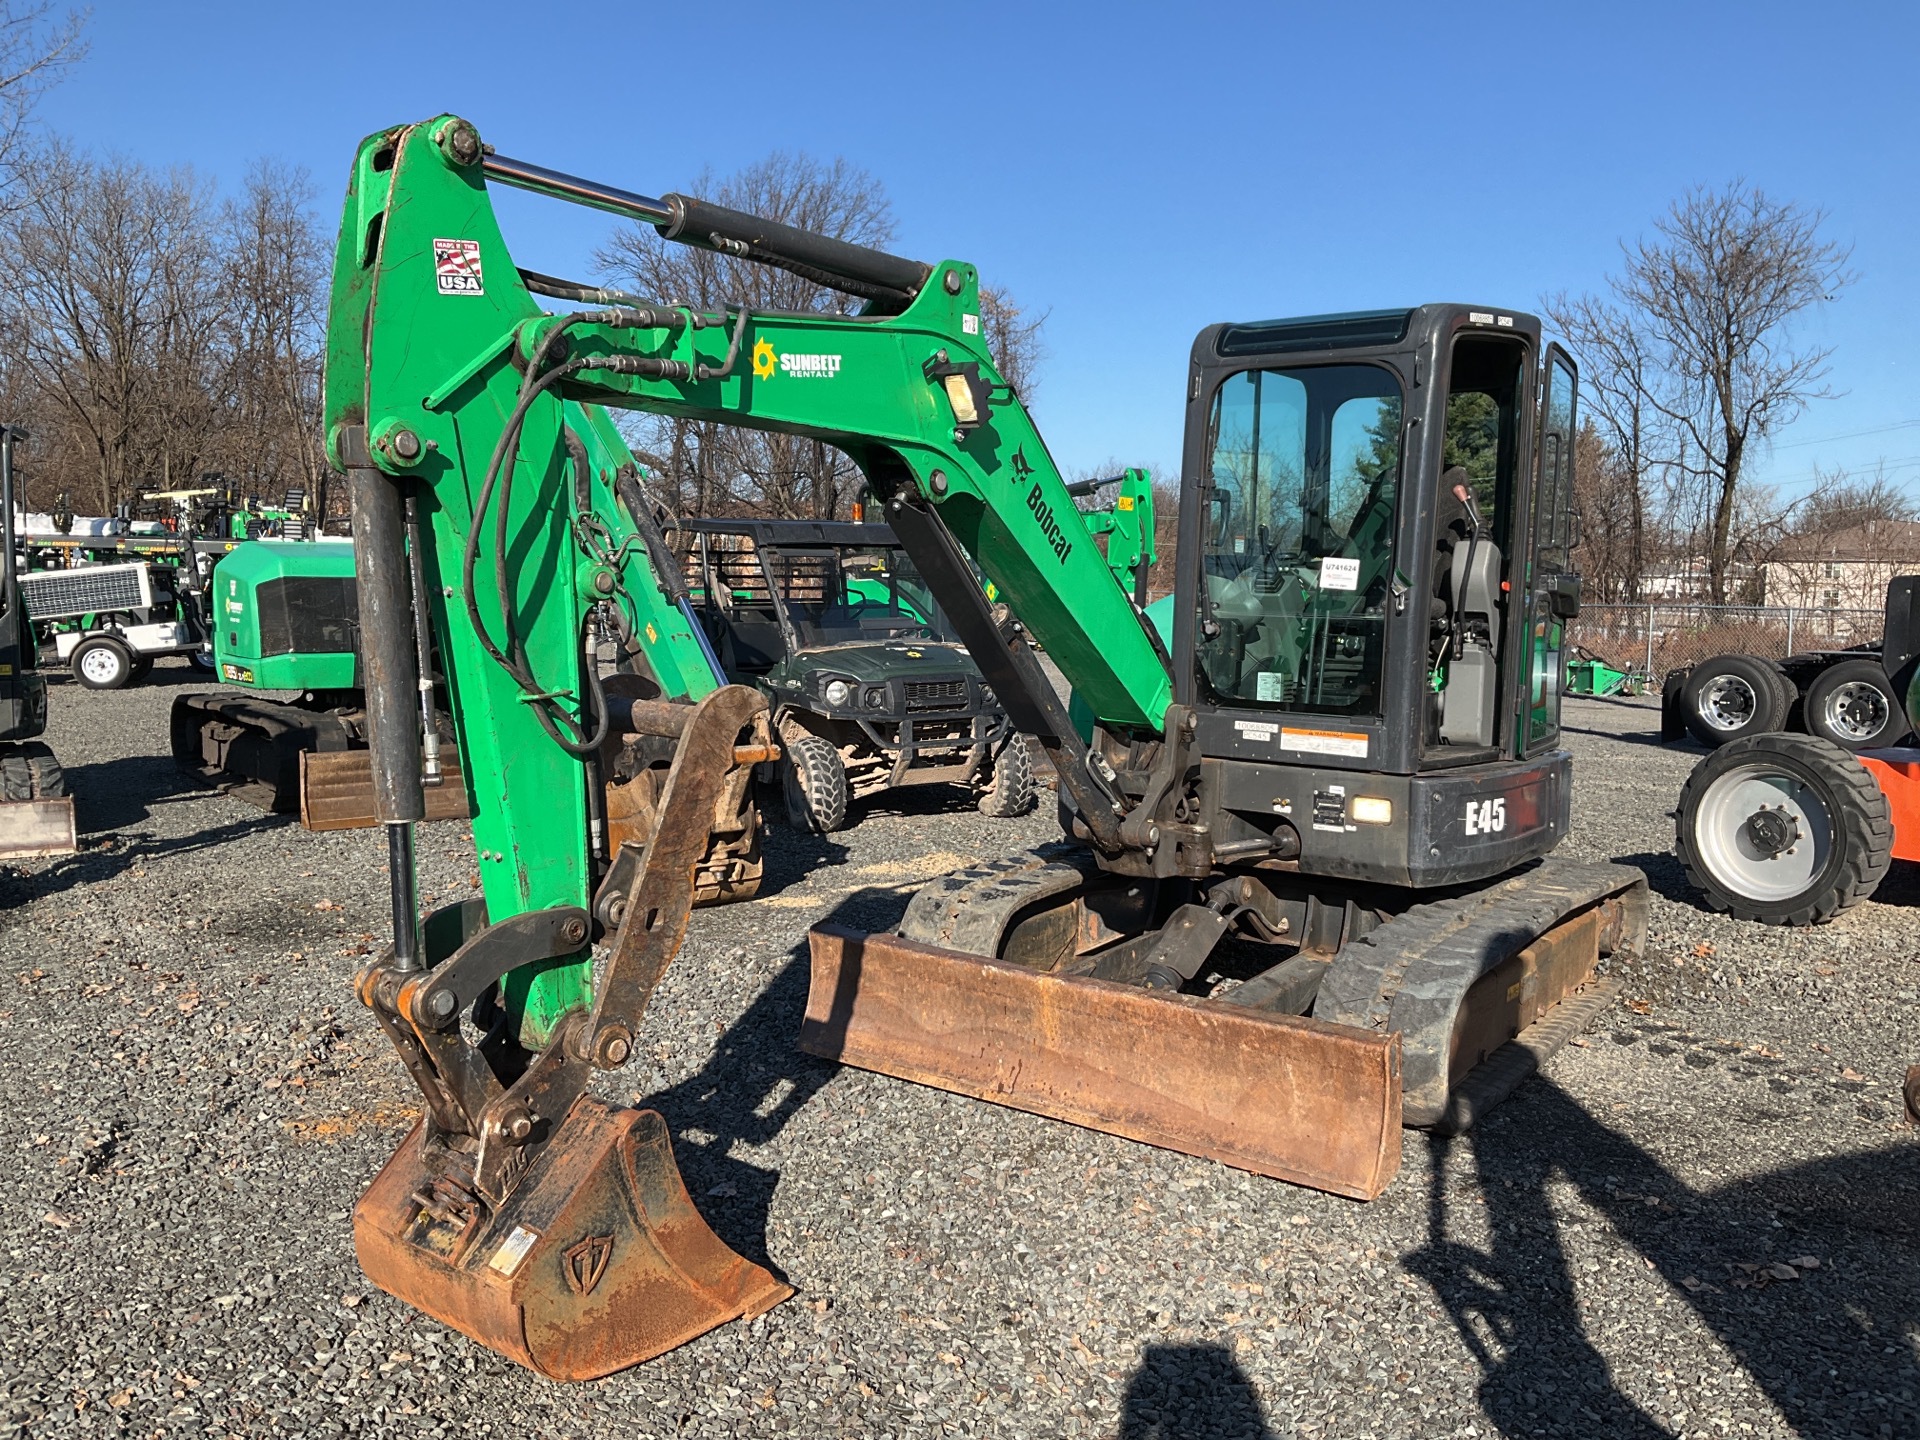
(816, 785)
(1783, 829)
(142, 667)
(29, 772)
(1011, 791)
(102, 663)
(1853, 705)
(201, 660)
(1733, 696)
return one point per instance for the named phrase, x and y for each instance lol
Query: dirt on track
(1701, 1221)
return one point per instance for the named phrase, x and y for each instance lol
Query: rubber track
(1502, 1072)
(970, 909)
(1412, 973)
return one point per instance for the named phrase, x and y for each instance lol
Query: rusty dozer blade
(33, 828)
(598, 1259)
(538, 1221)
(1296, 1099)
(1427, 1020)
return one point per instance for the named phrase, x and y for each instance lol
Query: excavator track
(1427, 1020)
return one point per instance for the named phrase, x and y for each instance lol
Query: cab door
(1553, 589)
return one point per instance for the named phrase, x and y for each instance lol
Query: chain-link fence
(1651, 640)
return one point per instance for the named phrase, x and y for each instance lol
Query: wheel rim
(1856, 710)
(1728, 702)
(1763, 833)
(100, 665)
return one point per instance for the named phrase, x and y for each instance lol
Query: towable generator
(1304, 893)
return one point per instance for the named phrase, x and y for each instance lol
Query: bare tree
(275, 277)
(1715, 292)
(1013, 339)
(111, 279)
(1839, 502)
(37, 45)
(717, 468)
(1617, 468)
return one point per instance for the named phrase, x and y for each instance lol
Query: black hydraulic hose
(500, 473)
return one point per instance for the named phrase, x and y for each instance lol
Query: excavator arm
(498, 515)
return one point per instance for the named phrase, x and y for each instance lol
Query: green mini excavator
(1304, 892)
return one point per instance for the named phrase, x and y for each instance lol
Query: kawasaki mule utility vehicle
(1335, 777)
(868, 687)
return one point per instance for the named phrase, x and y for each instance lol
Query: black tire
(1733, 696)
(201, 660)
(142, 667)
(1011, 791)
(1853, 704)
(101, 663)
(28, 771)
(816, 785)
(1761, 801)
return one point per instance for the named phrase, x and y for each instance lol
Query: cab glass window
(1297, 554)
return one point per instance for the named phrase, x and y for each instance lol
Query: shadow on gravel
(1829, 1348)
(120, 853)
(116, 793)
(1666, 877)
(1629, 737)
(792, 855)
(1185, 1392)
(755, 1083)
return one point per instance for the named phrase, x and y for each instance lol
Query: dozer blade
(30, 828)
(1430, 1019)
(597, 1261)
(1296, 1099)
(336, 790)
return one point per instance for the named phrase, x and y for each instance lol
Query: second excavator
(1305, 891)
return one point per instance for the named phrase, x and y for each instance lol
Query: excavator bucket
(1429, 1020)
(521, 1211)
(597, 1261)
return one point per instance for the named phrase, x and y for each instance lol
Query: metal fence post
(1649, 641)
(1790, 614)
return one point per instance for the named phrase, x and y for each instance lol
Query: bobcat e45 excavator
(1339, 754)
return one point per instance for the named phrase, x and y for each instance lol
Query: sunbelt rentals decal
(768, 362)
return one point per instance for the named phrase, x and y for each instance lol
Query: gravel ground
(1628, 1247)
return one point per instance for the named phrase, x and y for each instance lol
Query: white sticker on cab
(1340, 572)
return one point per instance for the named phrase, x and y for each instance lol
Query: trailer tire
(30, 772)
(1854, 705)
(1783, 829)
(1731, 697)
(142, 667)
(102, 663)
(816, 785)
(1011, 791)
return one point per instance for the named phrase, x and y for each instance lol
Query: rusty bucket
(597, 1260)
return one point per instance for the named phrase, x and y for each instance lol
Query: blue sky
(1135, 170)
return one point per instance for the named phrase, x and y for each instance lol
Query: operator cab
(1375, 530)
